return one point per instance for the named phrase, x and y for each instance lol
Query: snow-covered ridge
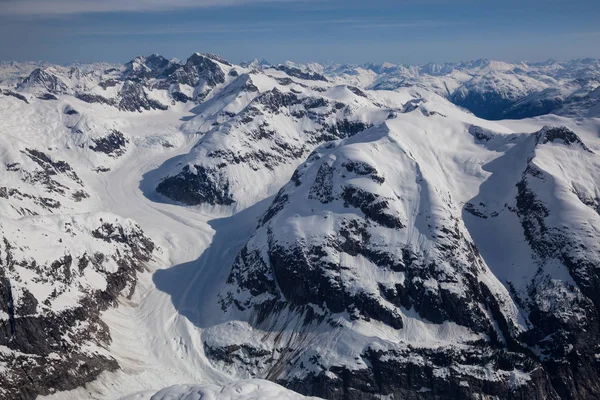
(342, 253)
(200, 221)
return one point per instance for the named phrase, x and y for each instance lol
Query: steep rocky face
(16, 95)
(34, 183)
(62, 264)
(244, 390)
(199, 68)
(564, 313)
(197, 185)
(142, 68)
(357, 243)
(312, 270)
(538, 103)
(133, 97)
(56, 276)
(200, 71)
(45, 79)
(553, 205)
(113, 145)
(587, 105)
(130, 88)
(485, 105)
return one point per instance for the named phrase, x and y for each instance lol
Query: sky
(344, 31)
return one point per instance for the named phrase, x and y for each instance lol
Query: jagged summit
(560, 134)
(46, 78)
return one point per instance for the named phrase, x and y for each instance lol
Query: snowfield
(337, 231)
(244, 390)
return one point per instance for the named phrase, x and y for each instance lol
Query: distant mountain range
(489, 89)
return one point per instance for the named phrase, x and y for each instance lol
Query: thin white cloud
(69, 7)
(257, 26)
(172, 31)
(582, 34)
(408, 24)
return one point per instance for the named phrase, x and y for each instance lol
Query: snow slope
(243, 390)
(347, 238)
(368, 241)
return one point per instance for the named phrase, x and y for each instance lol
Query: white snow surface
(159, 334)
(253, 389)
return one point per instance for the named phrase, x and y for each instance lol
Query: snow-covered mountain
(366, 267)
(491, 89)
(344, 231)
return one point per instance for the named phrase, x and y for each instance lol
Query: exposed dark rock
(472, 209)
(538, 103)
(44, 79)
(142, 68)
(347, 128)
(284, 81)
(322, 188)
(298, 73)
(70, 111)
(51, 168)
(16, 95)
(49, 346)
(112, 145)
(274, 99)
(180, 97)
(480, 133)
(47, 96)
(437, 376)
(371, 205)
(93, 98)
(133, 97)
(198, 69)
(560, 134)
(203, 185)
(101, 169)
(79, 195)
(357, 91)
(45, 202)
(108, 83)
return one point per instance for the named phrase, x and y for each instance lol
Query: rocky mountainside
(58, 274)
(347, 232)
(373, 238)
(262, 133)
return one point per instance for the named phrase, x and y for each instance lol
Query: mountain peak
(560, 134)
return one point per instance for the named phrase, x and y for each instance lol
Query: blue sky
(347, 31)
